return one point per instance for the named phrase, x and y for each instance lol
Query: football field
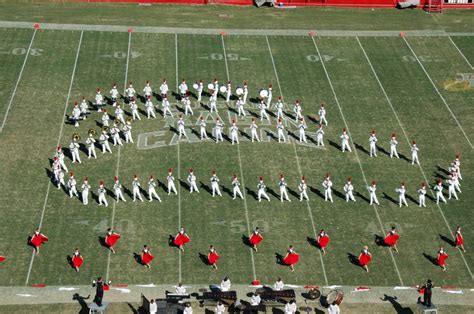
(419, 87)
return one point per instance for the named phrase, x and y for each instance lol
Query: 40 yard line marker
(241, 173)
(57, 143)
(18, 81)
(460, 52)
(179, 163)
(356, 154)
(408, 141)
(299, 166)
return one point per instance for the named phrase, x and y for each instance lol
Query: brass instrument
(92, 132)
(129, 120)
(76, 137)
(117, 122)
(105, 129)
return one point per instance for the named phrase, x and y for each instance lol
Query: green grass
(29, 140)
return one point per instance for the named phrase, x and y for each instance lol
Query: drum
(263, 93)
(195, 86)
(314, 294)
(223, 89)
(210, 86)
(239, 91)
(335, 295)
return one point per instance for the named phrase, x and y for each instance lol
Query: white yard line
(179, 163)
(57, 143)
(438, 92)
(408, 142)
(241, 173)
(356, 154)
(299, 167)
(17, 82)
(460, 52)
(117, 169)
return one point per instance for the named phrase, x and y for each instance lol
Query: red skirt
(459, 240)
(364, 259)
(112, 239)
(291, 259)
(147, 258)
(38, 240)
(391, 239)
(323, 241)
(212, 258)
(2, 258)
(77, 261)
(441, 261)
(181, 239)
(255, 239)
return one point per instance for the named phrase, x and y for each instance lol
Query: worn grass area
(292, 63)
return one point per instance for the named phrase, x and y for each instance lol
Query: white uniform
(246, 93)
(85, 192)
(188, 309)
(114, 93)
(90, 144)
(115, 132)
(349, 190)
(322, 115)
(134, 108)
(104, 142)
(150, 109)
(283, 190)
(280, 132)
(278, 285)
(401, 196)
(262, 191)
(373, 145)
(213, 104)
(60, 179)
(99, 100)
(183, 88)
(240, 107)
(320, 136)
(225, 285)
(84, 108)
(327, 185)
(236, 188)
(171, 185)
(180, 290)
(71, 185)
(270, 96)
(119, 114)
(303, 188)
(373, 197)
(181, 130)
(187, 106)
(255, 300)
(130, 92)
(414, 154)
(199, 90)
(76, 115)
(345, 142)
(234, 133)
(164, 88)
(439, 192)
(290, 308)
(102, 192)
(127, 131)
(393, 147)
(61, 157)
(151, 190)
(253, 131)
(147, 91)
(202, 127)
(220, 309)
(229, 92)
(136, 190)
(215, 185)
(457, 163)
(301, 127)
(166, 107)
(263, 111)
(298, 111)
(218, 129)
(118, 191)
(422, 196)
(105, 119)
(192, 183)
(74, 148)
(452, 188)
(279, 106)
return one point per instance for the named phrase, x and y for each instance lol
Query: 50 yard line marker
(355, 152)
(299, 166)
(118, 153)
(438, 92)
(408, 141)
(18, 81)
(57, 143)
(460, 52)
(241, 173)
(179, 162)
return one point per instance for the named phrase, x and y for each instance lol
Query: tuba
(129, 120)
(92, 132)
(117, 122)
(76, 137)
(105, 129)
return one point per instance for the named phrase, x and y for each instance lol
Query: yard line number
(20, 51)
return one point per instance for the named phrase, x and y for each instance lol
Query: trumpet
(129, 120)
(105, 129)
(76, 137)
(92, 132)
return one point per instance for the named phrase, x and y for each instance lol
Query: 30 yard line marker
(179, 162)
(17, 81)
(241, 173)
(57, 143)
(118, 153)
(460, 52)
(355, 152)
(438, 92)
(408, 141)
(299, 166)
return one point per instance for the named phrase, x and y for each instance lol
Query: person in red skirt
(322, 240)
(111, 239)
(146, 256)
(291, 258)
(2, 259)
(37, 239)
(441, 258)
(181, 239)
(77, 260)
(459, 239)
(255, 238)
(364, 258)
(212, 257)
(391, 239)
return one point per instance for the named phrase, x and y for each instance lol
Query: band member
(187, 105)
(393, 146)
(373, 197)
(102, 192)
(322, 240)
(280, 131)
(439, 191)
(150, 108)
(119, 114)
(127, 131)
(164, 88)
(373, 144)
(183, 88)
(253, 131)
(146, 256)
(228, 91)
(60, 179)
(345, 141)
(279, 107)
(391, 239)
(320, 136)
(364, 258)
(212, 257)
(263, 110)
(441, 258)
(192, 181)
(283, 189)
(90, 144)
(278, 285)
(77, 260)
(136, 189)
(225, 284)
(291, 307)
(199, 90)
(74, 149)
(114, 93)
(202, 127)
(349, 190)
(215, 184)
(322, 115)
(302, 126)
(213, 103)
(181, 239)
(255, 300)
(147, 91)
(76, 115)
(234, 133)
(303, 188)
(111, 239)
(71, 185)
(105, 117)
(115, 133)
(327, 185)
(118, 190)
(451, 187)
(61, 157)
(187, 308)
(401, 195)
(262, 188)
(220, 308)
(457, 163)
(104, 142)
(291, 258)
(99, 99)
(170, 180)
(255, 238)
(134, 109)
(459, 242)
(246, 92)
(85, 191)
(165, 104)
(298, 111)
(84, 105)
(37, 239)
(270, 95)
(414, 153)
(218, 130)
(151, 190)
(180, 289)
(422, 195)
(236, 188)
(130, 91)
